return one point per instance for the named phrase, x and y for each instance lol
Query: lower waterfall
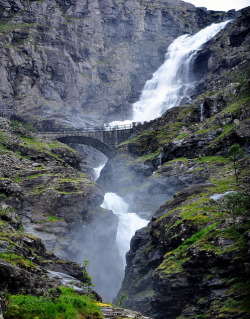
(128, 222)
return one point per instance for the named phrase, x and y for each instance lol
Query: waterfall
(97, 171)
(128, 222)
(170, 86)
(174, 81)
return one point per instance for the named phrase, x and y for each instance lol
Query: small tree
(87, 278)
(238, 204)
(237, 155)
(121, 300)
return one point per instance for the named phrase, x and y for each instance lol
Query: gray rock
(67, 62)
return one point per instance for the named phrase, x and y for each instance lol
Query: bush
(23, 129)
(238, 204)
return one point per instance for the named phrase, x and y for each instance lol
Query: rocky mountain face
(85, 61)
(30, 273)
(55, 201)
(28, 269)
(192, 260)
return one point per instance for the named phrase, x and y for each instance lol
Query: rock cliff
(84, 61)
(57, 202)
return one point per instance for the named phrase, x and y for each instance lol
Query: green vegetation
(22, 128)
(211, 160)
(6, 28)
(181, 136)
(87, 278)
(149, 144)
(144, 158)
(121, 300)
(227, 128)
(68, 305)
(17, 260)
(52, 219)
(238, 204)
(237, 155)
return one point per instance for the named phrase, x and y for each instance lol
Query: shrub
(21, 128)
(238, 204)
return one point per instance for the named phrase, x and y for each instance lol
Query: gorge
(75, 65)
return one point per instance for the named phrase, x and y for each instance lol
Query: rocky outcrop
(82, 62)
(136, 172)
(113, 313)
(225, 58)
(56, 202)
(25, 264)
(189, 260)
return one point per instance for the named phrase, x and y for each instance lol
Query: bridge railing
(89, 129)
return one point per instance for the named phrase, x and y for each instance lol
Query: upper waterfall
(173, 81)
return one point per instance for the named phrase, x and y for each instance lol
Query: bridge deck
(105, 139)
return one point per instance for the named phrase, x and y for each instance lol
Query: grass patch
(52, 219)
(213, 160)
(17, 260)
(227, 128)
(68, 305)
(181, 136)
(145, 158)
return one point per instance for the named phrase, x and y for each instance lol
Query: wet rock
(3, 305)
(113, 313)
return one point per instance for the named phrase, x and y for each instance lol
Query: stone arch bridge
(105, 139)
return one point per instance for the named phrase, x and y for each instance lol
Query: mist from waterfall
(128, 222)
(173, 82)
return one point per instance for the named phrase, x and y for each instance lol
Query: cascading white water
(97, 171)
(128, 222)
(173, 82)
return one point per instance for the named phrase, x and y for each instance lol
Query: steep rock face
(38, 179)
(26, 266)
(85, 58)
(57, 202)
(224, 59)
(191, 260)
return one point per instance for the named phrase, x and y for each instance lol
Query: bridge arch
(90, 141)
